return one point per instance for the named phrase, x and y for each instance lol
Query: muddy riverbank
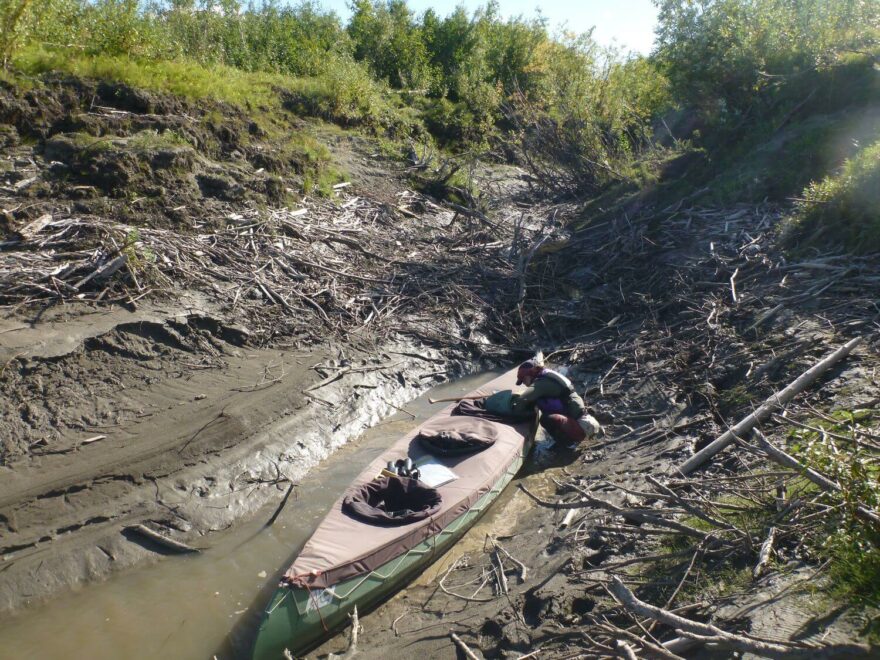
(207, 604)
(185, 334)
(173, 351)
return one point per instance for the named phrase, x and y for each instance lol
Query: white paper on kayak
(435, 474)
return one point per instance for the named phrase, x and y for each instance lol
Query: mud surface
(249, 332)
(183, 387)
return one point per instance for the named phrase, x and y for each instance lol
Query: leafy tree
(11, 14)
(386, 35)
(512, 49)
(454, 46)
(731, 57)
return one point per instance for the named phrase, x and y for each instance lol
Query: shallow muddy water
(209, 604)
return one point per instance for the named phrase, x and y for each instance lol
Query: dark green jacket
(552, 393)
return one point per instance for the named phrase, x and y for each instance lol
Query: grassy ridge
(843, 209)
(345, 95)
(753, 92)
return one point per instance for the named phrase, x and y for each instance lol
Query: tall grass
(344, 93)
(843, 209)
(181, 77)
(11, 13)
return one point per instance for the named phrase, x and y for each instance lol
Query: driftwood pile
(328, 268)
(718, 357)
(764, 516)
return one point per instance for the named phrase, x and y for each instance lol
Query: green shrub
(345, 93)
(151, 139)
(259, 37)
(842, 210)
(594, 123)
(851, 542)
(740, 59)
(13, 17)
(182, 77)
(387, 37)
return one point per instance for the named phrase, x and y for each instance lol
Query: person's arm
(540, 389)
(522, 402)
(529, 395)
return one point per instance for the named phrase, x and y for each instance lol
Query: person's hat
(523, 370)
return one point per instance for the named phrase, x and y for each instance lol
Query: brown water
(209, 604)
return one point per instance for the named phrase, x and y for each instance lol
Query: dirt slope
(181, 328)
(183, 332)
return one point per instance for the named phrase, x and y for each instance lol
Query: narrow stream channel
(209, 604)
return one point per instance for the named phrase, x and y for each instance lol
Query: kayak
(386, 529)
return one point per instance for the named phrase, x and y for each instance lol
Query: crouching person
(563, 413)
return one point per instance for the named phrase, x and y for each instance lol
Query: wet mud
(191, 401)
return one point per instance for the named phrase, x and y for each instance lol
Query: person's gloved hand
(517, 404)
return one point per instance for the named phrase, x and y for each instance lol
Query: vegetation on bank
(727, 77)
(742, 100)
(852, 546)
(843, 209)
(844, 543)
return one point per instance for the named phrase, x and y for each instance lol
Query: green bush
(842, 210)
(13, 21)
(461, 124)
(593, 122)
(183, 77)
(265, 37)
(735, 59)
(584, 118)
(345, 93)
(387, 37)
(851, 542)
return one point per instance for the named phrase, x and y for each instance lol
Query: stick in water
(457, 398)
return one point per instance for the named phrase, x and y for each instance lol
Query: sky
(627, 24)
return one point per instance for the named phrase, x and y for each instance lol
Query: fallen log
(703, 631)
(820, 480)
(651, 649)
(161, 539)
(29, 231)
(464, 647)
(771, 405)
(523, 569)
(764, 555)
(639, 516)
(569, 517)
(352, 640)
(625, 650)
(104, 271)
(502, 578)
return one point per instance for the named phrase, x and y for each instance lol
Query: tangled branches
(326, 269)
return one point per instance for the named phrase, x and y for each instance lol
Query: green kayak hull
(297, 619)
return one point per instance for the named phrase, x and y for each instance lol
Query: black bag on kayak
(392, 501)
(453, 443)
